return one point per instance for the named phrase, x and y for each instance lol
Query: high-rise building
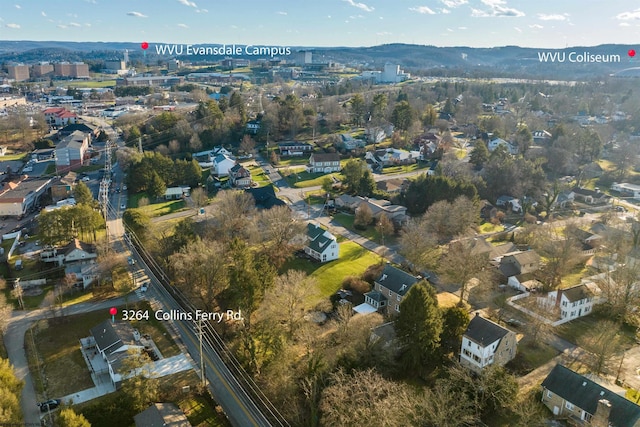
(41, 69)
(79, 70)
(62, 69)
(18, 73)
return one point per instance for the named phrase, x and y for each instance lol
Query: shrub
(356, 284)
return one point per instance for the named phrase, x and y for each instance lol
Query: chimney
(601, 417)
(558, 298)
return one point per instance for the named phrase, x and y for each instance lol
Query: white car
(86, 178)
(123, 206)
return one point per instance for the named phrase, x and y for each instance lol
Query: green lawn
(13, 157)
(88, 84)
(353, 261)
(306, 179)
(389, 170)
(293, 161)
(155, 209)
(51, 169)
(487, 227)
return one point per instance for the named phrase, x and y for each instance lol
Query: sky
(474, 23)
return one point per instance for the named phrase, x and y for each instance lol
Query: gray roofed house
(486, 343)
(161, 415)
(571, 395)
(113, 340)
(322, 245)
(324, 163)
(392, 285)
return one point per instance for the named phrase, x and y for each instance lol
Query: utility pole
(202, 371)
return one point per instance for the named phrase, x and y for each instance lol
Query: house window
(397, 308)
(389, 292)
(469, 343)
(466, 352)
(549, 394)
(569, 406)
(564, 303)
(398, 297)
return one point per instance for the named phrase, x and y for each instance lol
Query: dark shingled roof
(265, 197)
(106, 336)
(484, 332)
(577, 293)
(585, 394)
(325, 157)
(396, 280)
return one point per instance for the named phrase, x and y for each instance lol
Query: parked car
(144, 286)
(49, 405)
(515, 322)
(131, 260)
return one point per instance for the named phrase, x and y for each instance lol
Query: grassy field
(389, 170)
(155, 209)
(13, 157)
(306, 179)
(88, 84)
(353, 261)
(258, 176)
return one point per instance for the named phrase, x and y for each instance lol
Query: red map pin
(631, 53)
(113, 311)
(144, 45)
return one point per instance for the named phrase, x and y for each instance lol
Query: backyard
(353, 261)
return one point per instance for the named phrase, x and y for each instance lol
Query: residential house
(324, 163)
(590, 196)
(486, 343)
(177, 193)
(71, 152)
(496, 142)
(293, 148)
(584, 402)
(113, 341)
(570, 303)
(516, 267)
(74, 252)
(388, 291)
(253, 126)
(18, 197)
(392, 186)
(564, 199)
(89, 273)
(265, 197)
(540, 136)
(350, 143)
(627, 190)
(206, 158)
(222, 163)
(508, 201)
(239, 176)
(390, 157)
(322, 245)
(347, 202)
(396, 213)
(161, 415)
(59, 116)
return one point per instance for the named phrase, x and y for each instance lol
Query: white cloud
(553, 17)
(137, 14)
(74, 24)
(628, 16)
(444, 11)
(454, 3)
(424, 10)
(61, 26)
(498, 9)
(383, 33)
(450, 30)
(282, 13)
(188, 3)
(536, 26)
(43, 14)
(462, 28)
(202, 10)
(360, 5)
(91, 1)
(624, 24)
(183, 26)
(517, 29)
(87, 25)
(18, 6)
(13, 26)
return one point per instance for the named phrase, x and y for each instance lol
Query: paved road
(227, 391)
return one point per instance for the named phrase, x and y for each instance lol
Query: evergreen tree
(479, 155)
(418, 327)
(157, 187)
(83, 195)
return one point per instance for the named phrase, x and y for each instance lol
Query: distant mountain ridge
(422, 59)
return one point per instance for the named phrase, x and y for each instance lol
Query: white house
(322, 245)
(75, 251)
(486, 343)
(630, 190)
(571, 303)
(222, 163)
(324, 163)
(391, 156)
(496, 142)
